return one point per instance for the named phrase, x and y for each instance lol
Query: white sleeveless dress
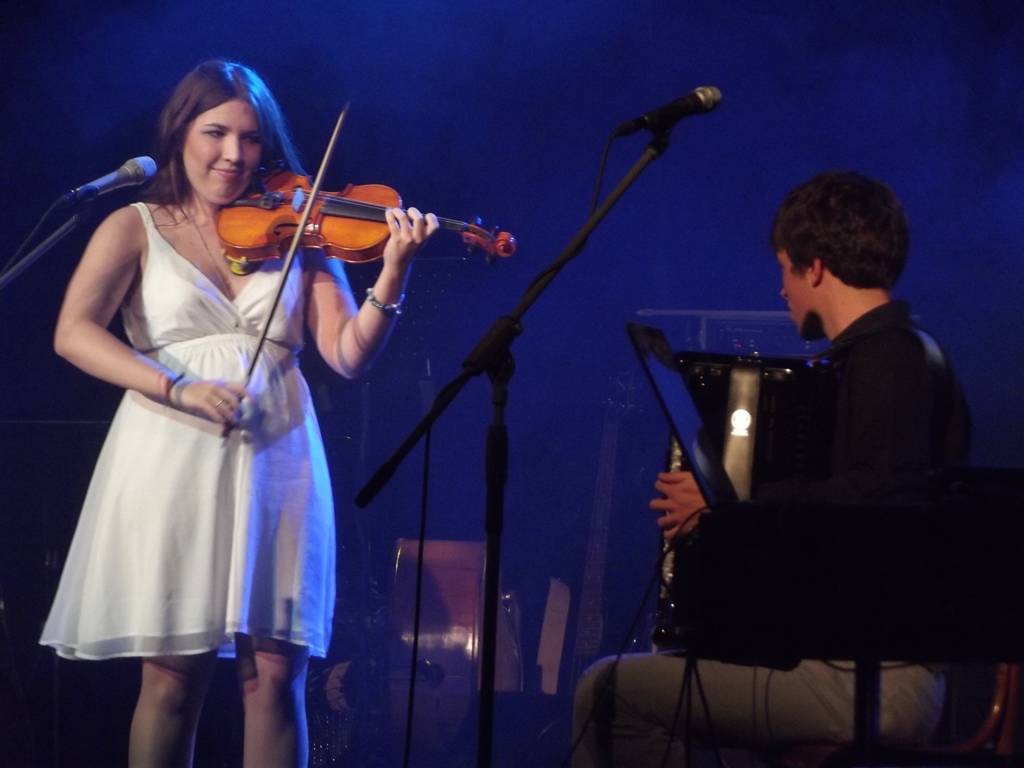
(187, 536)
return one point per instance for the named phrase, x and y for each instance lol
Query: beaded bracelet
(387, 309)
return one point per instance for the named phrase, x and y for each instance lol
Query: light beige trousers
(625, 712)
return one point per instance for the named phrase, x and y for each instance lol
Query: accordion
(768, 419)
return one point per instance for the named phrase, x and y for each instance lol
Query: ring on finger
(218, 404)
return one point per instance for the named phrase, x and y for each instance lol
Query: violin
(349, 225)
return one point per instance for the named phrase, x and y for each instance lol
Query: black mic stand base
(496, 473)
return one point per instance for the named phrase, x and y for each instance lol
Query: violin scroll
(493, 242)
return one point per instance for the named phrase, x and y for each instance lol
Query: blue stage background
(501, 110)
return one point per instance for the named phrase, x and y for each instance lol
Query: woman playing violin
(194, 540)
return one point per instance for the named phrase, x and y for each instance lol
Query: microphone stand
(492, 355)
(8, 275)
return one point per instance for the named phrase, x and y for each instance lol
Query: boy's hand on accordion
(681, 505)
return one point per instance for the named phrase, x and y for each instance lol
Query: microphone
(696, 102)
(136, 171)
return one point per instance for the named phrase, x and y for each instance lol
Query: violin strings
(345, 203)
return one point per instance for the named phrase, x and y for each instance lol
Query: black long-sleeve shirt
(897, 414)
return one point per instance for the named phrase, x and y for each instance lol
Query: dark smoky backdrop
(501, 110)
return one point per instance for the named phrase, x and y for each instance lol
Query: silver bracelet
(387, 309)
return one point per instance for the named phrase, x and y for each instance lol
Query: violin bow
(290, 257)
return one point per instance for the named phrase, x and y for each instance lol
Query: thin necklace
(223, 284)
